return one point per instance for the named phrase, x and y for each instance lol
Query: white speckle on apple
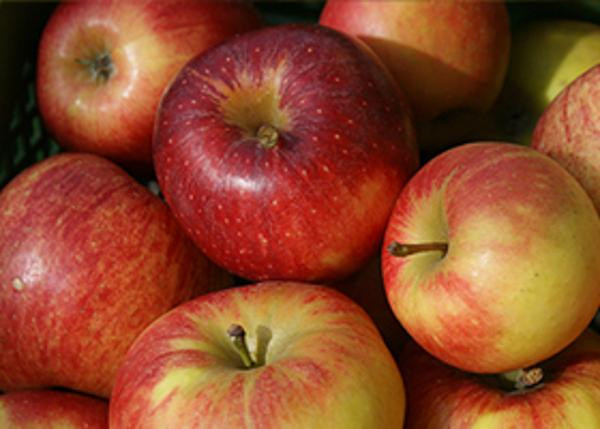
(194, 102)
(226, 220)
(228, 59)
(169, 159)
(287, 234)
(238, 220)
(364, 103)
(242, 251)
(223, 70)
(263, 240)
(184, 82)
(325, 169)
(336, 79)
(350, 121)
(267, 164)
(274, 202)
(180, 106)
(319, 111)
(257, 49)
(304, 172)
(18, 284)
(186, 162)
(345, 151)
(370, 84)
(336, 136)
(199, 210)
(315, 138)
(303, 101)
(165, 122)
(239, 234)
(219, 207)
(310, 50)
(191, 197)
(206, 71)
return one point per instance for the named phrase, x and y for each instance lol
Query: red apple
(103, 65)
(282, 151)
(52, 409)
(268, 355)
(491, 257)
(449, 56)
(567, 396)
(569, 131)
(88, 258)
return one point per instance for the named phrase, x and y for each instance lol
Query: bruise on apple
(282, 151)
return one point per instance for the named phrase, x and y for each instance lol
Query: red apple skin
(148, 42)
(569, 131)
(42, 409)
(440, 396)
(314, 206)
(88, 258)
(447, 55)
(519, 281)
(325, 365)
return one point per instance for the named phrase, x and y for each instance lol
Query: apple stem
(522, 379)
(238, 337)
(101, 67)
(402, 250)
(267, 136)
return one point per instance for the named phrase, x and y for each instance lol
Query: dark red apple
(282, 151)
(88, 258)
(29, 409)
(104, 64)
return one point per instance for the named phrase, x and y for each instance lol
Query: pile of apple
(333, 235)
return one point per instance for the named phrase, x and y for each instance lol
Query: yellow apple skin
(569, 131)
(440, 396)
(520, 278)
(548, 55)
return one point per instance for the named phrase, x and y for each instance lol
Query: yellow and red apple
(270, 355)
(491, 257)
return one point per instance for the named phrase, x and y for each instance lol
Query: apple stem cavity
(101, 67)
(267, 136)
(237, 334)
(522, 379)
(403, 250)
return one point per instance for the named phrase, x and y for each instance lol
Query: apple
(569, 130)
(88, 258)
(282, 151)
(104, 64)
(562, 392)
(449, 56)
(32, 409)
(272, 354)
(491, 257)
(549, 54)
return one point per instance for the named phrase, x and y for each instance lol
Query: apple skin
(42, 409)
(315, 205)
(519, 280)
(440, 396)
(569, 129)
(148, 42)
(546, 56)
(88, 258)
(325, 363)
(447, 56)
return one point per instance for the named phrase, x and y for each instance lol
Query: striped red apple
(270, 355)
(491, 257)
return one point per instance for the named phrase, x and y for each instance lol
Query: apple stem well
(403, 250)
(100, 67)
(522, 379)
(237, 334)
(267, 136)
